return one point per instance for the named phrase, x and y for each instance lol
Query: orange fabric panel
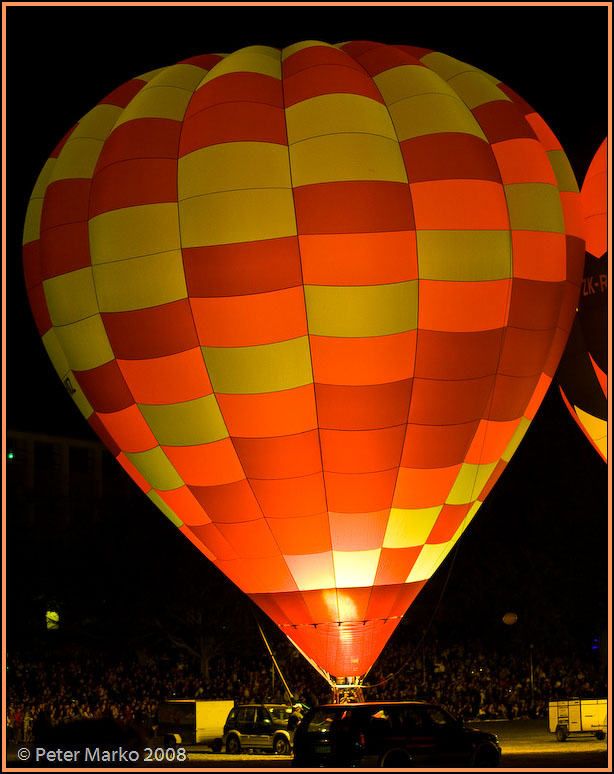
(490, 441)
(228, 502)
(463, 306)
(523, 160)
(358, 531)
(210, 535)
(524, 353)
(156, 138)
(423, 488)
(435, 446)
(347, 259)
(363, 360)
(363, 408)
(129, 429)
(458, 355)
(538, 395)
(207, 464)
(289, 497)
(501, 120)
(134, 182)
(328, 79)
(449, 402)
(315, 55)
(64, 249)
(237, 87)
(248, 575)
(105, 388)
(511, 395)
(243, 321)
(269, 414)
(359, 492)
(66, 201)
(459, 204)
(302, 534)
(393, 600)
(537, 255)
(449, 520)
(448, 156)
(233, 122)
(346, 207)
(361, 451)
(572, 214)
(198, 543)
(184, 505)
(287, 456)
(395, 565)
(251, 539)
(535, 305)
(167, 379)
(242, 268)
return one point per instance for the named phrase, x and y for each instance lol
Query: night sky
(548, 514)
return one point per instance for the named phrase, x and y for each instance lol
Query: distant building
(66, 478)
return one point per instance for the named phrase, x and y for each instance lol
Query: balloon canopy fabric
(583, 371)
(311, 300)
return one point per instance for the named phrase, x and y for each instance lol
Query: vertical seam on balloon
(411, 386)
(298, 247)
(188, 298)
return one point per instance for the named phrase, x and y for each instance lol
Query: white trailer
(578, 716)
(193, 721)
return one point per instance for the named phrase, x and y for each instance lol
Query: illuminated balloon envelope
(583, 371)
(311, 300)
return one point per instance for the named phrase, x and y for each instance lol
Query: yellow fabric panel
(363, 310)
(237, 216)
(71, 297)
(32, 223)
(429, 559)
(313, 571)
(565, 178)
(182, 76)
(85, 343)
(337, 113)
(131, 232)
(186, 424)
(409, 81)
(515, 440)
(156, 102)
(447, 66)
(150, 74)
(469, 482)
(56, 353)
(231, 166)
(433, 113)
(156, 468)
(259, 369)
(596, 428)
(289, 50)
(408, 528)
(355, 568)
(139, 283)
(475, 90)
(464, 255)
(77, 159)
(349, 156)
(535, 207)
(97, 124)
(165, 508)
(252, 59)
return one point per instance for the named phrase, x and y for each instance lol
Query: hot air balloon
(583, 371)
(310, 299)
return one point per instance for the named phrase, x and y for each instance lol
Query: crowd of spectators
(470, 681)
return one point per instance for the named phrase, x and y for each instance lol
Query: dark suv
(392, 735)
(258, 727)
